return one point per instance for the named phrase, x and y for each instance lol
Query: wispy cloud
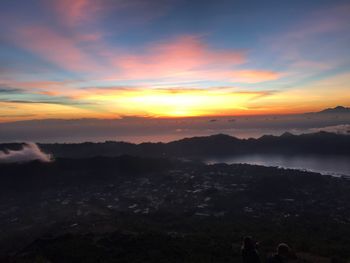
(7, 90)
(57, 48)
(189, 58)
(84, 13)
(15, 110)
(89, 60)
(16, 95)
(182, 56)
(255, 76)
(37, 86)
(76, 12)
(314, 44)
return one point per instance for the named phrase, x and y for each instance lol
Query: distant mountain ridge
(216, 145)
(338, 109)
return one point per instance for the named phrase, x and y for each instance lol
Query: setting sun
(175, 103)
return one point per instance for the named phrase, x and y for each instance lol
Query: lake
(333, 165)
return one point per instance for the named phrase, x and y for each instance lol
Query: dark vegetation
(134, 209)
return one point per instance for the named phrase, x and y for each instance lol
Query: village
(198, 191)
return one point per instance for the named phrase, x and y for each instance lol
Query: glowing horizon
(107, 59)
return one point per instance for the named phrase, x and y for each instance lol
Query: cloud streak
(57, 48)
(7, 90)
(76, 12)
(14, 95)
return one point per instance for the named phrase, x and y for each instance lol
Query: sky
(108, 59)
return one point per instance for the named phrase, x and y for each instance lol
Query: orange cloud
(254, 76)
(14, 111)
(313, 96)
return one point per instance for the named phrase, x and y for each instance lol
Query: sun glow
(175, 103)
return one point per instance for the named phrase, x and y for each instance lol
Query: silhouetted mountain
(317, 143)
(336, 110)
(216, 145)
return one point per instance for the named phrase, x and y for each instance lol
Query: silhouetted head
(248, 243)
(283, 250)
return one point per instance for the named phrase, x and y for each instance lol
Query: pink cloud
(184, 57)
(188, 58)
(77, 11)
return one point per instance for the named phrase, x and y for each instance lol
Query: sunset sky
(171, 58)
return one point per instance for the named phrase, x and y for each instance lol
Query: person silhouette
(282, 254)
(249, 251)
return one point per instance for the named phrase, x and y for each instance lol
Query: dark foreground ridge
(321, 143)
(133, 209)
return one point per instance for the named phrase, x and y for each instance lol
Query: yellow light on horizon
(16, 111)
(174, 103)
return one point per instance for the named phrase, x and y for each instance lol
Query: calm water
(339, 165)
